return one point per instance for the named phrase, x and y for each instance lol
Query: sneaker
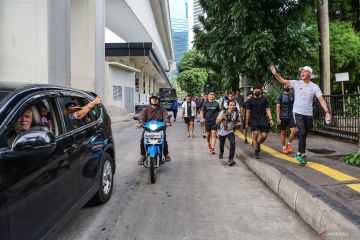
(289, 147)
(192, 135)
(285, 150)
(257, 154)
(221, 156)
(301, 159)
(141, 160)
(167, 158)
(246, 141)
(212, 151)
(189, 134)
(231, 162)
(305, 159)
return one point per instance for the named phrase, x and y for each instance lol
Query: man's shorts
(189, 119)
(259, 128)
(286, 122)
(209, 126)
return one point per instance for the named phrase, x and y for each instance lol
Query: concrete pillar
(59, 42)
(34, 41)
(87, 45)
(141, 81)
(152, 85)
(147, 80)
(156, 86)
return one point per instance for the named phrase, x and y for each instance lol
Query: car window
(71, 109)
(38, 116)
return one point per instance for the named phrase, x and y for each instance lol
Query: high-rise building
(198, 11)
(180, 27)
(195, 11)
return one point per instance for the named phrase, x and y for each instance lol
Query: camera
(228, 116)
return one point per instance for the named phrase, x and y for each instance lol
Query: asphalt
(324, 193)
(196, 196)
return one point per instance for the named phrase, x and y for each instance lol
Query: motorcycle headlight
(153, 127)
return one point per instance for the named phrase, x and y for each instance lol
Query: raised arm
(278, 77)
(85, 109)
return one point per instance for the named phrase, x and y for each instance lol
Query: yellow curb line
(355, 186)
(335, 174)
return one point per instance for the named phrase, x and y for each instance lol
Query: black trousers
(304, 124)
(142, 147)
(175, 113)
(231, 138)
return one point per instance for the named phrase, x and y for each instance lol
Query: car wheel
(106, 180)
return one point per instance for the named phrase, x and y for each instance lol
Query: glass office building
(180, 27)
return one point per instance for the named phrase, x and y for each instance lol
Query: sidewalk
(316, 190)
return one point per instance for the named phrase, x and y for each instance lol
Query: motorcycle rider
(150, 113)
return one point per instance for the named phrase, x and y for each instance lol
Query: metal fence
(345, 110)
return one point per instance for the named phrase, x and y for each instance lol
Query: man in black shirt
(208, 114)
(205, 99)
(285, 118)
(258, 108)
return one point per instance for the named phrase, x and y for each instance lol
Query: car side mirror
(136, 117)
(40, 143)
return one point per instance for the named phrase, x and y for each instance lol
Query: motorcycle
(154, 145)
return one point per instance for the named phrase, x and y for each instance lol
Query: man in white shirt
(188, 114)
(305, 90)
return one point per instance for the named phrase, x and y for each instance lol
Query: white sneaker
(189, 135)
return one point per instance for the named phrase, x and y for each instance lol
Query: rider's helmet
(154, 95)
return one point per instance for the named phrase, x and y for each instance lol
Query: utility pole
(323, 26)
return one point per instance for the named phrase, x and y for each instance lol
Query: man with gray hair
(305, 90)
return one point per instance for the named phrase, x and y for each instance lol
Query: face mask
(257, 94)
(286, 89)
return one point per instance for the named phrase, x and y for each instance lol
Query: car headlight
(153, 127)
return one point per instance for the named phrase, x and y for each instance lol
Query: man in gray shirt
(305, 90)
(228, 120)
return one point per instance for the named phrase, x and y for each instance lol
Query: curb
(318, 214)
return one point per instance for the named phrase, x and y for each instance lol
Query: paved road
(197, 196)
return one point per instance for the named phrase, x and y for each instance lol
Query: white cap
(307, 68)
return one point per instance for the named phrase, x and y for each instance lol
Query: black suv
(54, 166)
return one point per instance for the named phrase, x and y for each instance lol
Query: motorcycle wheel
(152, 169)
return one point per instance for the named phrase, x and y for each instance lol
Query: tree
(192, 81)
(246, 36)
(190, 59)
(345, 49)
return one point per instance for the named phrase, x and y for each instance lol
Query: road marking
(335, 174)
(355, 186)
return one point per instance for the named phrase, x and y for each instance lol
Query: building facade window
(117, 93)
